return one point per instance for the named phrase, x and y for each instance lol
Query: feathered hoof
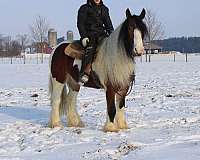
(79, 124)
(122, 125)
(55, 125)
(110, 127)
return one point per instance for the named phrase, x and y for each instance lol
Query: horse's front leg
(120, 119)
(111, 111)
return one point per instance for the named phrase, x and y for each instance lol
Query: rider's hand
(85, 41)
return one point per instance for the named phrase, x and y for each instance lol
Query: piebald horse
(113, 68)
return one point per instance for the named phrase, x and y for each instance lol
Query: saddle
(75, 50)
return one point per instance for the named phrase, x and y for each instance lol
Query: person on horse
(94, 24)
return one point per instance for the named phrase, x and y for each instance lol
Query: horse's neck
(111, 62)
(112, 40)
(113, 50)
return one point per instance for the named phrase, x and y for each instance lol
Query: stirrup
(83, 79)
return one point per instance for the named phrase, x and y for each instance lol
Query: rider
(94, 24)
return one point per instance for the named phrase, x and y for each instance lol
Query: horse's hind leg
(111, 111)
(73, 117)
(57, 89)
(120, 119)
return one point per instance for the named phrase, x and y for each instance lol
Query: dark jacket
(94, 20)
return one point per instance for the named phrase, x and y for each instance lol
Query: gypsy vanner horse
(112, 70)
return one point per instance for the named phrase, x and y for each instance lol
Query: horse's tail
(50, 85)
(63, 97)
(50, 91)
(63, 102)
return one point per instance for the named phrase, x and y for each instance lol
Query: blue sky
(179, 17)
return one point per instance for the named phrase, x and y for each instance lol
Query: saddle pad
(74, 50)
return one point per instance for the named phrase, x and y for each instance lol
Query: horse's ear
(128, 13)
(143, 13)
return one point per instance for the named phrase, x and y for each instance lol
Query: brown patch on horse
(110, 98)
(61, 65)
(75, 50)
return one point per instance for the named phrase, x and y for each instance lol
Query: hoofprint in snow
(163, 112)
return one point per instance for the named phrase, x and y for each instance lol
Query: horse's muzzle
(139, 52)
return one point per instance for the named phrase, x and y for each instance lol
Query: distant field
(37, 58)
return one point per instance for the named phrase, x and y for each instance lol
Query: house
(42, 48)
(151, 48)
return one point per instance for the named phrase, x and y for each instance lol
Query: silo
(52, 37)
(70, 36)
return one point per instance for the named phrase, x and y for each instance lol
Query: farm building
(152, 48)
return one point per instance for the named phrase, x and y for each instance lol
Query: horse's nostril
(135, 50)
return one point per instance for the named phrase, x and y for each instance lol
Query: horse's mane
(111, 62)
(123, 39)
(115, 57)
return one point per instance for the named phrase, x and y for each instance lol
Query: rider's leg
(87, 60)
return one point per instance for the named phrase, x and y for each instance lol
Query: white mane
(112, 63)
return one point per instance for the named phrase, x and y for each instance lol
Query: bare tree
(7, 43)
(39, 30)
(154, 26)
(23, 40)
(14, 49)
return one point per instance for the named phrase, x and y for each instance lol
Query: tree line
(36, 39)
(181, 44)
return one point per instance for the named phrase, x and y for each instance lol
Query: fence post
(42, 58)
(149, 58)
(24, 58)
(11, 62)
(186, 57)
(146, 57)
(174, 57)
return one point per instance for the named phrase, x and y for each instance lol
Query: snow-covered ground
(163, 113)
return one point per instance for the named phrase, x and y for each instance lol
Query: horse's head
(134, 30)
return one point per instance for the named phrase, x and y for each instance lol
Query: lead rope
(130, 88)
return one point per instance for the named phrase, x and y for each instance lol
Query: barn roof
(152, 46)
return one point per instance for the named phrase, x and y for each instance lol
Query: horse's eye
(132, 24)
(130, 30)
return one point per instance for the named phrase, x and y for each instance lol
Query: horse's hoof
(110, 127)
(79, 125)
(122, 125)
(55, 125)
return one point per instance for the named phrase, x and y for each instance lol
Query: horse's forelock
(143, 28)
